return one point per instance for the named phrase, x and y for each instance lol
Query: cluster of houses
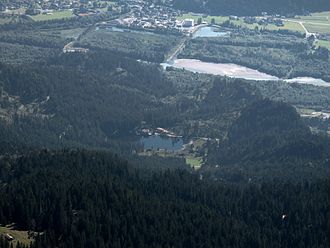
(143, 14)
(266, 20)
(47, 7)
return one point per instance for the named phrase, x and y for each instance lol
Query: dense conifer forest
(94, 199)
(254, 7)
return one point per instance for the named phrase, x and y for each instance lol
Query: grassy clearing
(19, 236)
(55, 15)
(323, 43)
(195, 162)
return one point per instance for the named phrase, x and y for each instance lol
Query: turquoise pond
(155, 142)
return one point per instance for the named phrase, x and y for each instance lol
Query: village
(134, 14)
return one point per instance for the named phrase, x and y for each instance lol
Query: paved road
(182, 44)
(178, 50)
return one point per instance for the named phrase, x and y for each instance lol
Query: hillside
(253, 7)
(269, 141)
(95, 199)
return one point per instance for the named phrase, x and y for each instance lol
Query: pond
(155, 142)
(210, 32)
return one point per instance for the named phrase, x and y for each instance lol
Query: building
(187, 23)
(9, 237)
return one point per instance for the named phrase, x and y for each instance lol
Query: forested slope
(94, 199)
(269, 141)
(252, 7)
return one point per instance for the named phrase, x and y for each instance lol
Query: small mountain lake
(155, 142)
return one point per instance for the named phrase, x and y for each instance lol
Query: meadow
(18, 235)
(316, 22)
(53, 16)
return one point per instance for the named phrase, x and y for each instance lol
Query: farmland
(316, 22)
(53, 15)
(292, 26)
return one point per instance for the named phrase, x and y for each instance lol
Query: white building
(187, 23)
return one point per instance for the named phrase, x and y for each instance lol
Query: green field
(323, 43)
(318, 28)
(19, 236)
(316, 22)
(55, 15)
(195, 162)
(292, 26)
(221, 19)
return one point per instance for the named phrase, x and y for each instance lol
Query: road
(177, 50)
(182, 44)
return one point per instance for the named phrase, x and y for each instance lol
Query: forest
(269, 141)
(136, 44)
(252, 8)
(77, 198)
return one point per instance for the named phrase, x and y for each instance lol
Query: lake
(159, 142)
(210, 32)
